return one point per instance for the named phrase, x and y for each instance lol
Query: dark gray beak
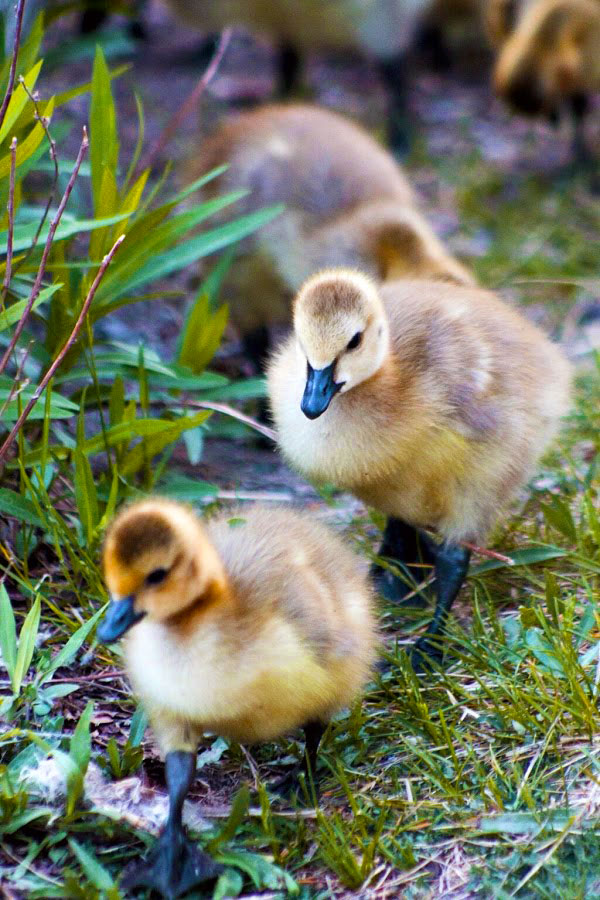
(120, 616)
(319, 391)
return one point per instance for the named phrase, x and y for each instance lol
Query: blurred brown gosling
(348, 203)
(247, 628)
(548, 57)
(380, 30)
(429, 401)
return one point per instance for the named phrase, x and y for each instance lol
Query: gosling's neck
(212, 593)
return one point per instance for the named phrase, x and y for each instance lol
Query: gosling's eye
(157, 576)
(354, 342)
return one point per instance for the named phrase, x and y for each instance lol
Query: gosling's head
(342, 332)
(548, 58)
(157, 562)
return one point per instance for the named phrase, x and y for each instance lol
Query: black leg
(256, 347)
(406, 547)
(93, 17)
(313, 732)
(288, 784)
(451, 566)
(583, 157)
(174, 865)
(288, 70)
(394, 76)
(431, 44)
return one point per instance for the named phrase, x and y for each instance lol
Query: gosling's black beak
(319, 391)
(120, 616)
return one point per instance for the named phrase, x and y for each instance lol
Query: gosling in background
(548, 57)
(381, 30)
(348, 203)
(429, 401)
(247, 628)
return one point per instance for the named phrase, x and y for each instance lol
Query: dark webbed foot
(173, 867)
(409, 550)
(451, 566)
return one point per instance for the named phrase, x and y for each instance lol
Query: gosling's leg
(581, 153)
(394, 76)
(256, 345)
(451, 566)
(288, 784)
(174, 865)
(405, 546)
(289, 65)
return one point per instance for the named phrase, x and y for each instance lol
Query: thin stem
(44, 122)
(187, 107)
(42, 267)
(490, 554)
(10, 206)
(67, 346)
(13, 64)
(235, 414)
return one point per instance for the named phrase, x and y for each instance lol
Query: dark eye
(157, 576)
(354, 342)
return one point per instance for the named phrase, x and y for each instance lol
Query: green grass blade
(8, 633)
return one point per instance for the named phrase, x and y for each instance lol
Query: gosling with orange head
(429, 401)
(548, 57)
(248, 628)
(347, 203)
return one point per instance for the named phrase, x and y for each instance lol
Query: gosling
(429, 401)
(348, 203)
(548, 58)
(247, 628)
(380, 30)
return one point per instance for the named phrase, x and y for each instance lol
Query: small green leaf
(93, 870)
(14, 312)
(65, 656)
(86, 495)
(81, 742)
(8, 633)
(558, 515)
(13, 504)
(526, 557)
(230, 884)
(104, 145)
(26, 645)
(239, 808)
(139, 723)
(544, 652)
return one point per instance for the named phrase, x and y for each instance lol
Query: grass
(481, 779)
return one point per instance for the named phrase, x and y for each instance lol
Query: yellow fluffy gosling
(247, 628)
(348, 203)
(548, 56)
(429, 401)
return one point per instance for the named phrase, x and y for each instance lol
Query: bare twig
(13, 64)
(188, 105)
(490, 554)
(236, 414)
(42, 267)
(67, 346)
(10, 207)
(44, 122)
